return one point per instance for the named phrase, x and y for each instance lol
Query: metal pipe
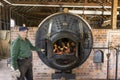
(100, 47)
(107, 69)
(116, 71)
(91, 12)
(46, 5)
(108, 59)
(7, 2)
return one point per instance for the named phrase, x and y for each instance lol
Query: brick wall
(88, 70)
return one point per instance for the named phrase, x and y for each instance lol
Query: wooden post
(7, 17)
(0, 17)
(114, 14)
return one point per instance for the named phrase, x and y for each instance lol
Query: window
(12, 23)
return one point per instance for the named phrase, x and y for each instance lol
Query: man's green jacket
(20, 49)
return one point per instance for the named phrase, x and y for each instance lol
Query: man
(21, 55)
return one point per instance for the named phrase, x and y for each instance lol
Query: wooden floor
(5, 73)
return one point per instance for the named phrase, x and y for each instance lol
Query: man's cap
(23, 28)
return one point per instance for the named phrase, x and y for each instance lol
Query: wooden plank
(114, 13)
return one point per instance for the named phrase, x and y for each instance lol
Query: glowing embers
(64, 46)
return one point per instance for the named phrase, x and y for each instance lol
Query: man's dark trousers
(25, 67)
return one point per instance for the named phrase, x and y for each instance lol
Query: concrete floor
(5, 73)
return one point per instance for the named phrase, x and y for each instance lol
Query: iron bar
(100, 47)
(116, 70)
(108, 59)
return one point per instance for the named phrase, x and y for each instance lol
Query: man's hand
(17, 73)
(43, 50)
(14, 77)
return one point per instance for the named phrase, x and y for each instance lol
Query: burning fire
(64, 47)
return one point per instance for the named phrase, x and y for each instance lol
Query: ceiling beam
(88, 12)
(45, 5)
(60, 3)
(38, 13)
